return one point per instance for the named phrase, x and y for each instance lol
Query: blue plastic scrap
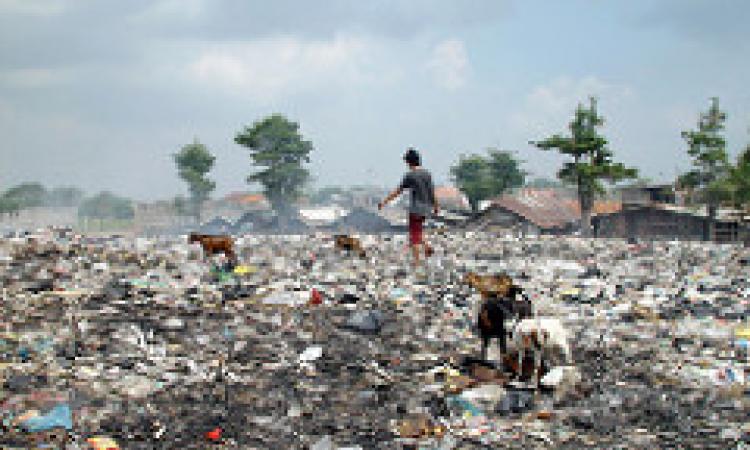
(59, 417)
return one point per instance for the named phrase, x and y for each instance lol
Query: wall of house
(649, 223)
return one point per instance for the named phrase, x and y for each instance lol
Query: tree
(180, 205)
(64, 196)
(711, 169)
(592, 160)
(26, 195)
(106, 205)
(277, 147)
(505, 172)
(482, 177)
(193, 163)
(472, 177)
(740, 178)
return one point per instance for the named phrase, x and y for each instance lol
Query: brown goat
(214, 244)
(348, 243)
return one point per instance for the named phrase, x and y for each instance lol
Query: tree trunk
(586, 202)
(197, 212)
(711, 222)
(586, 222)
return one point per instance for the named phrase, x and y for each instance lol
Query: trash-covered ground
(135, 343)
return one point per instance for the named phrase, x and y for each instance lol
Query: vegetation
(740, 179)
(709, 180)
(194, 161)
(26, 195)
(483, 177)
(106, 205)
(64, 196)
(279, 151)
(592, 160)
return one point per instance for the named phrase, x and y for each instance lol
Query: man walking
(419, 182)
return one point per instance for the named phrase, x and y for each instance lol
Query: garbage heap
(142, 343)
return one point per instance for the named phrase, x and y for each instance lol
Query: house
(538, 211)
(247, 201)
(449, 197)
(651, 212)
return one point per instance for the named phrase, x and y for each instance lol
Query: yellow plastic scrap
(742, 333)
(102, 443)
(245, 270)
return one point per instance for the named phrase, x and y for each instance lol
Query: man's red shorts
(415, 229)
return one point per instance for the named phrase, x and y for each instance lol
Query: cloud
(449, 64)
(269, 68)
(549, 107)
(242, 19)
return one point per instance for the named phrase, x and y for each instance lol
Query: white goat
(544, 336)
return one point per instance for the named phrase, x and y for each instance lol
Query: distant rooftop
(549, 208)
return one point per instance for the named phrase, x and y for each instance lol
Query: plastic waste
(102, 443)
(366, 321)
(59, 417)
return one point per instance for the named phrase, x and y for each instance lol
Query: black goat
(494, 312)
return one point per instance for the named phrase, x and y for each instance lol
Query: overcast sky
(101, 93)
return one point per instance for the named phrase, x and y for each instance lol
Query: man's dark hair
(412, 157)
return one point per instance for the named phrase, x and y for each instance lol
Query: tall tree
(592, 160)
(279, 151)
(740, 178)
(505, 171)
(471, 175)
(193, 163)
(711, 169)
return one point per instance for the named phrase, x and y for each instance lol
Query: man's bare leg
(415, 255)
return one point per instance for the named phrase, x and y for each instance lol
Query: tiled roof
(245, 198)
(549, 208)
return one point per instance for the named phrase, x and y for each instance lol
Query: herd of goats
(537, 343)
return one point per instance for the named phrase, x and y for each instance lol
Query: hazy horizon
(100, 94)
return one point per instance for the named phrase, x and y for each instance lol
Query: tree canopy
(26, 195)
(710, 176)
(106, 205)
(482, 177)
(278, 150)
(740, 178)
(64, 196)
(592, 159)
(194, 161)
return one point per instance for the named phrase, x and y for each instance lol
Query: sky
(101, 93)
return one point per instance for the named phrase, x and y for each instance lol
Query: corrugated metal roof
(549, 208)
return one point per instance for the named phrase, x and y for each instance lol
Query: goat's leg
(485, 342)
(537, 366)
